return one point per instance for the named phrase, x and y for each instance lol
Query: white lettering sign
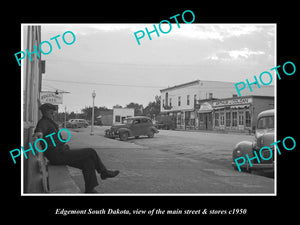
(236, 101)
(51, 97)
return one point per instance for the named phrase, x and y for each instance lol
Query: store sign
(51, 97)
(236, 101)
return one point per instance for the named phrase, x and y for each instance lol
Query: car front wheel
(124, 136)
(151, 134)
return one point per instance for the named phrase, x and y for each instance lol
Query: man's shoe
(109, 174)
(93, 191)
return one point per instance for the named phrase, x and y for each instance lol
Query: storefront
(205, 116)
(235, 114)
(185, 119)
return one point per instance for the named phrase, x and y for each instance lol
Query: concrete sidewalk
(60, 180)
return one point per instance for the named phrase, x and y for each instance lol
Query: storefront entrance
(205, 116)
(205, 121)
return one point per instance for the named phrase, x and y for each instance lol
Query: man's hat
(48, 106)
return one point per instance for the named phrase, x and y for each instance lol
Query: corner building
(214, 105)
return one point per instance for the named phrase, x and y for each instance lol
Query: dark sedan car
(264, 136)
(132, 127)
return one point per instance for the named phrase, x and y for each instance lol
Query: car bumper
(256, 166)
(111, 134)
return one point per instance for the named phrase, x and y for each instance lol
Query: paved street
(173, 162)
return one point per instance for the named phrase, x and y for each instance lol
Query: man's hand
(37, 135)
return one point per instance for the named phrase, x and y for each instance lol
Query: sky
(107, 58)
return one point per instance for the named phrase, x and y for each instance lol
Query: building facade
(119, 114)
(232, 114)
(214, 105)
(34, 167)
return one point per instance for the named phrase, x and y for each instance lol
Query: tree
(117, 106)
(153, 108)
(138, 109)
(87, 112)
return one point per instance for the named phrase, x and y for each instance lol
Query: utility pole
(92, 127)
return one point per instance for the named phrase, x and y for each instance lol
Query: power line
(96, 83)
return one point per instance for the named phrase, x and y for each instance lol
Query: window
(166, 98)
(228, 119)
(234, 119)
(222, 119)
(170, 101)
(266, 122)
(216, 119)
(179, 119)
(118, 119)
(149, 122)
(241, 118)
(248, 119)
(136, 121)
(144, 120)
(179, 100)
(188, 99)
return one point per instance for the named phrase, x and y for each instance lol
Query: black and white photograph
(160, 117)
(151, 113)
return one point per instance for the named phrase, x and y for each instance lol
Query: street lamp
(92, 127)
(65, 120)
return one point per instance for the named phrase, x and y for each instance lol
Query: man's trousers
(85, 159)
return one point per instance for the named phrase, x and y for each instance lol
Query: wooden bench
(42, 177)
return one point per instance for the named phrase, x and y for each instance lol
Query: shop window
(234, 119)
(216, 119)
(248, 119)
(179, 119)
(192, 122)
(241, 118)
(222, 119)
(228, 119)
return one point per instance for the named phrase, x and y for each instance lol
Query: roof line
(181, 85)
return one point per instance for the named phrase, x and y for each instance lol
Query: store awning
(205, 108)
(219, 108)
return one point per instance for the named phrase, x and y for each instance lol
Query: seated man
(85, 159)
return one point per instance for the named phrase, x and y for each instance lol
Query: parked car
(264, 136)
(165, 122)
(77, 123)
(132, 127)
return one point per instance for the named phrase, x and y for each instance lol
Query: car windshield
(266, 122)
(128, 121)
